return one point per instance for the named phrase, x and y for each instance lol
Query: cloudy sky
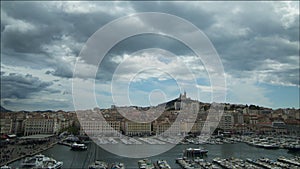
(257, 42)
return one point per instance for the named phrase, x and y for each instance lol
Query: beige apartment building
(166, 128)
(226, 122)
(40, 125)
(134, 128)
(5, 126)
(103, 128)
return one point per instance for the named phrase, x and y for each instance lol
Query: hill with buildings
(3, 110)
(234, 118)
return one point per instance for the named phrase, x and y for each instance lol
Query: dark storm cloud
(38, 105)
(49, 24)
(256, 33)
(18, 86)
(43, 26)
(244, 39)
(195, 14)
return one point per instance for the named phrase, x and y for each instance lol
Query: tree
(73, 129)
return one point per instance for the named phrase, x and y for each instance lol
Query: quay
(42, 148)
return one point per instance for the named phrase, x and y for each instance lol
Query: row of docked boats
(281, 162)
(264, 144)
(147, 164)
(195, 163)
(274, 143)
(40, 161)
(234, 163)
(262, 141)
(103, 165)
(142, 164)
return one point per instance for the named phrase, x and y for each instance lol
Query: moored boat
(163, 164)
(195, 152)
(145, 164)
(5, 167)
(117, 165)
(98, 165)
(76, 146)
(41, 161)
(293, 147)
(267, 145)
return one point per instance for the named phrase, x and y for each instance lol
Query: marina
(233, 153)
(267, 142)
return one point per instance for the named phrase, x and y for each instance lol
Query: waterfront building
(238, 117)
(264, 128)
(136, 129)
(241, 128)
(17, 123)
(5, 126)
(94, 127)
(253, 119)
(190, 126)
(226, 122)
(279, 127)
(39, 125)
(166, 128)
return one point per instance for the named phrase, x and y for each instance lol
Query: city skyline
(41, 42)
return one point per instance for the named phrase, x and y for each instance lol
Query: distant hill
(3, 110)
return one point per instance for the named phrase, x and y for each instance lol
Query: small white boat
(163, 164)
(5, 167)
(76, 146)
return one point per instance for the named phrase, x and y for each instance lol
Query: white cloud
(18, 25)
(247, 91)
(288, 10)
(159, 64)
(112, 8)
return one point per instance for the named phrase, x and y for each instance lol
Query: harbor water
(82, 159)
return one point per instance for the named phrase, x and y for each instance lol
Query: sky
(257, 43)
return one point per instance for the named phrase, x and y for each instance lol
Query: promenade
(17, 149)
